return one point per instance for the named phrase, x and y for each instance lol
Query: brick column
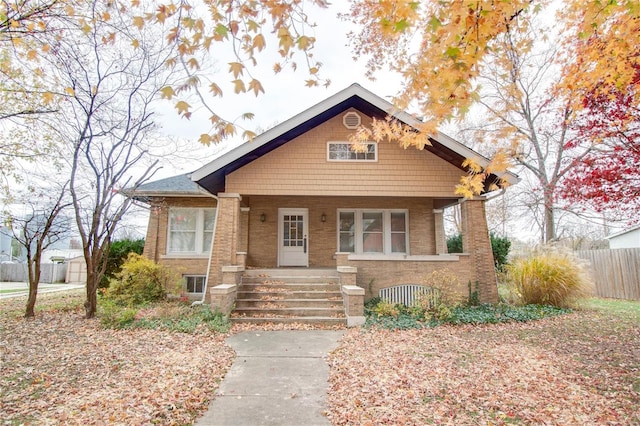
(441, 241)
(244, 229)
(226, 239)
(157, 216)
(476, 242)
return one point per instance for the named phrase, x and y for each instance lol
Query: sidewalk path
(22, 289)
(278, 378)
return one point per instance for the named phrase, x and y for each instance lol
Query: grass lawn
(581, 368)
(11, 290)
(576, 369)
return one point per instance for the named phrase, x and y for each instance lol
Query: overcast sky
(285, 94)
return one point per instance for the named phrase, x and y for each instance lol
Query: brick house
(298, 198)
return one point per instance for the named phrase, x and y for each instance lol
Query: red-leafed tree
(608, 178)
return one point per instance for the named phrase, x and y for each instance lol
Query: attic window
(351, 120)
(345, 151)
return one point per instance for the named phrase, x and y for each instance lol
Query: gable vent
(351, 120)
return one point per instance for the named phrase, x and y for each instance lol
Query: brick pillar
(476, 242)
(244, 229)
(441, 241)
(226, 239)
(157, 216)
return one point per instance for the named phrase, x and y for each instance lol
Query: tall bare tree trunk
(549, 217)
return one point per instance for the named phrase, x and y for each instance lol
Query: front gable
(423, 174)
(301, 167)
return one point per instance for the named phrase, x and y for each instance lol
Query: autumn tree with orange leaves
(439, 48)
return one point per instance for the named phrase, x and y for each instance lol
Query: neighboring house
(297, 196)
(625, 239)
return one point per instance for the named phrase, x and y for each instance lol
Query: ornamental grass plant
(549, 277)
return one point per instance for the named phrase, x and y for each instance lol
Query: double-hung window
(190, 230)
(373, 231)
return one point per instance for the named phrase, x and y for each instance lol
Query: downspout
(213, 241)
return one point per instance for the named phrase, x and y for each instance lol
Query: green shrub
(118, 253)
(447, 285)
(493, 314)
(115, 316)
(386, 309)
(454, 244)
(500, 247)
(408, 318)
(548, 278)
(168, 315)
(140, 281)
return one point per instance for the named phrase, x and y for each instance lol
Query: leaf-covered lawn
(582, 368)
(62, 369)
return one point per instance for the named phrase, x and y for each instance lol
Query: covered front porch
(371, 242)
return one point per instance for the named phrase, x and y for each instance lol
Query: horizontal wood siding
(300, 167)
(615, 272)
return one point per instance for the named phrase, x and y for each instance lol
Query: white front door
(293, 242)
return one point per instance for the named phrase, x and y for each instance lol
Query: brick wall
(155, 247)
(375, 275)
(263, 241)
(227, 237)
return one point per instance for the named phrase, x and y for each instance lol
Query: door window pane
(293, 231)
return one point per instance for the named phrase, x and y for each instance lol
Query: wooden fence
(615, 272)
(17, 272)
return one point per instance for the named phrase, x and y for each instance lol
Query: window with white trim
(345, 151)
(190, 230)
(367, 231)
(194, 283)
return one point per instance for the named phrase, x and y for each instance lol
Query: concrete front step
(329, 321)
(298, 279)
(312, 311)
(299, 295)
(289, 303)
(292, 294)
(288, 287)
(291, 272)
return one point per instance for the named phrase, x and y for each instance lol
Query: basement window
(194, 283)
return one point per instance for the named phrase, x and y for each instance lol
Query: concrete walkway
(17, 289)
(278, 378)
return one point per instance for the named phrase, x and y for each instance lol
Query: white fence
(410, 293)
(17, 272)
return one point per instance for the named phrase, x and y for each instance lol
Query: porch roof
(212, 176)
(178, 186)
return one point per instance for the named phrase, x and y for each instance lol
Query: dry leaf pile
(581, 369)
(60, 368)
